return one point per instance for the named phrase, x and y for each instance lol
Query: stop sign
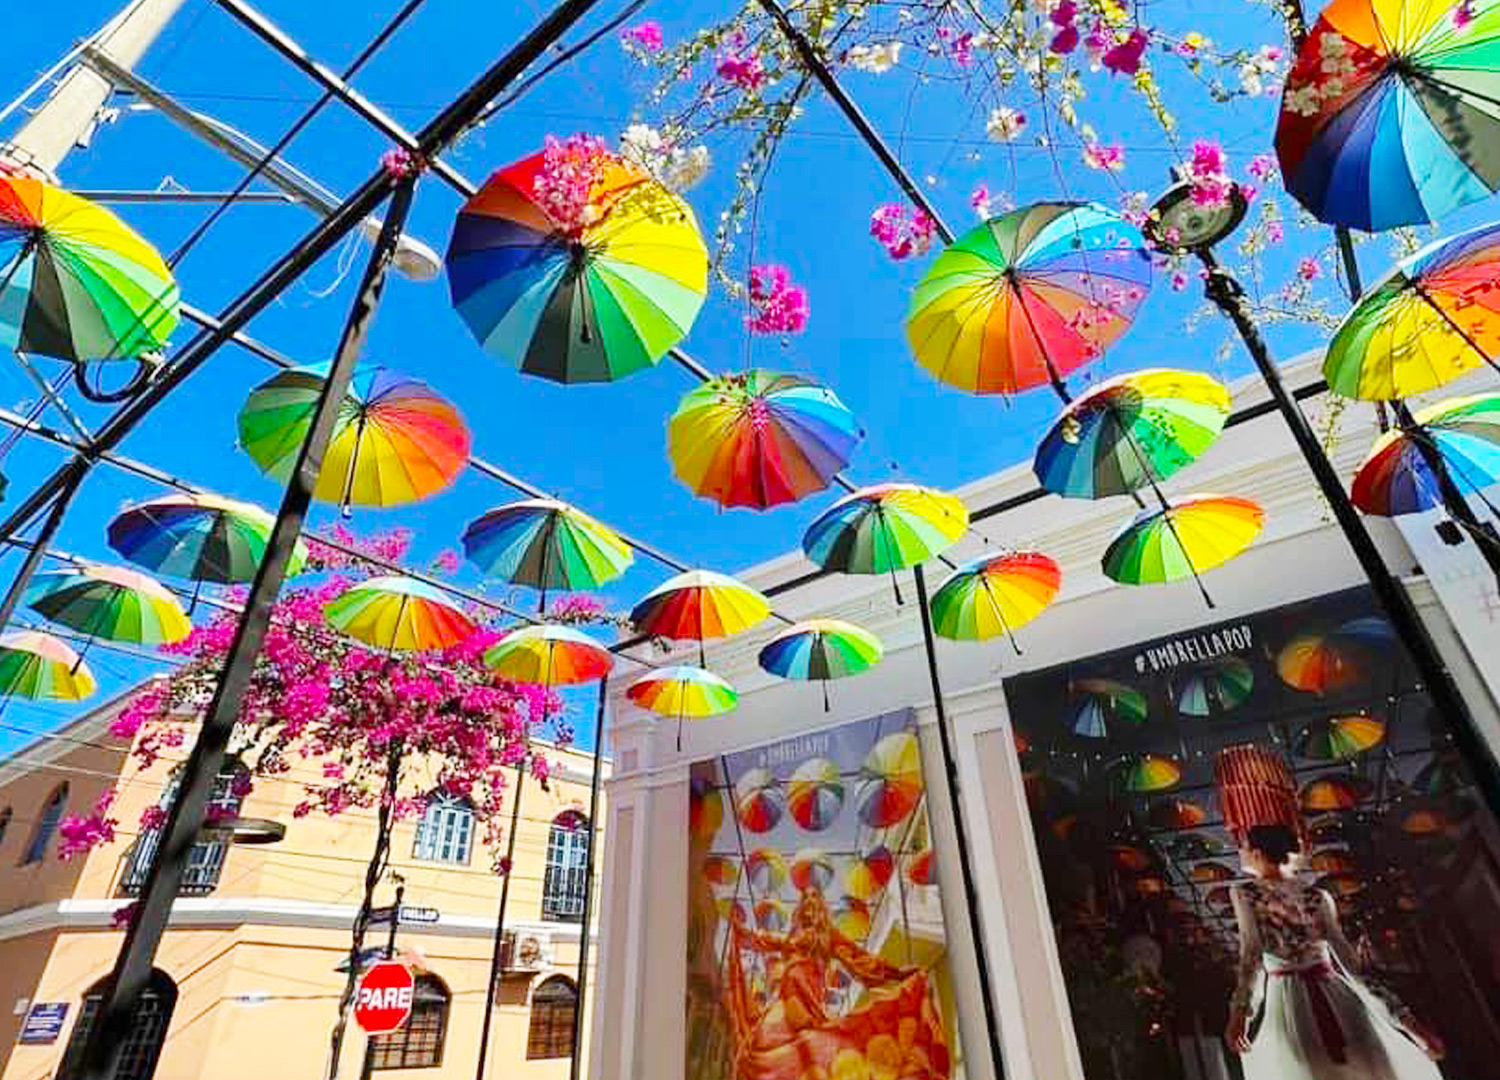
(384, 1000)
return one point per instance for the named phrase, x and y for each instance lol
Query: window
(419, 1043)
(566, 882)
(446, 830)
(46, 825)
(554, 1006)
(205, 858)
(5, 816)
(148, 1029)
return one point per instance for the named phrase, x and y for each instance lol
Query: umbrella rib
(1421, 290)
(1060, 387)
(995, 604)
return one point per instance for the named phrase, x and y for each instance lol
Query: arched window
(419, 1042)
(148, 1029)
(205, 858)
(46, 825)
(554, 1005)
(565, 883)
(5, 816)
(446, 831)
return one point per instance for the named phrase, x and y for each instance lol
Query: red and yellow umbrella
(1330, 793)
(811, 869)
(705, 809)
(1339, 738)
(815, 794)
(890, 781)
(759, 800)
(867, 874)
(921, 870)
(721, 870)
(766, 869)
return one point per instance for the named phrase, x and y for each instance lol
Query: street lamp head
(1180, 225)
(243, 830)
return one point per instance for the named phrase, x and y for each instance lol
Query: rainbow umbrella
(109, 602)
(1321, 662)
(851, 918)
(1183, 538)
(811, 869)
(759, 801)
(1215, 688)
(1395, 477)
(546, 654)
(200, 537)
(395, 440)
(1130, 432)
(705, 808)
(1435, 316)
(697, 605)
(75, 281)
(589, 304)
(867, 874)
(1339, 738)
(760, 438)
(890, 784)
(1026, 298)
(771, 914)
(921, 871)
(1210, 873)
(394, 612)
(1146, 772)
(1105, 703)
(721, 870)
(766, 869)
(821, 649)
(885, 528)
(1329, 793)
(1176, 814)
(815, 794)
(43, 668)
(688, 693)
(1389, 111)
(995, 594)
(545, 544)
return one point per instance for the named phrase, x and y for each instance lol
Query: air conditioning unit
(525, 950)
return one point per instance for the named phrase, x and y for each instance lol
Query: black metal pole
(960, 832)
(368, 1069)
(38, 549)
(1481, 533)
(497, 957)
(1227, 294)
(575, 1066)
(133, 967)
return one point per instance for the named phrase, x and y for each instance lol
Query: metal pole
(133, 968)
(368, 1069)
(38, 551)
(1227, 294)
(498, 956)
(960, 833)
(575, 1066)
(1481, 533)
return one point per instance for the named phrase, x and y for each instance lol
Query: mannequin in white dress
(1300, 1009)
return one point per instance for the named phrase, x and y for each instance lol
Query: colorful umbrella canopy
(766, 869)
(760, 438)
(1187, 537)
(921, 871)
(201, 537)
(1026, 298)
(1176, 814)
(545, 544)
(688, 693)
(865, 875)
(1435, 316)
(1147, 772)
(995, 594)
(1106, 704)
(1328, 793)
(1323, 662)
(1340, 738)
(811, 869)
(75, 281)
(758, 800)
(721, 870)
(698, 605)
(1389, 110)
(885, 528)
(890, 783)
(109, 602)
(589, 304)
(851, 918)
(1130, 431)
(705, 808)
(1395, 478)
(396, 612)
(548, 655)
(43, 668)
(1424, 821)
(395, 440)
(821, 649)
(1215, 688)
(815, 794)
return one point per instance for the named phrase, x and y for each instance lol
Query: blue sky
(601, 447)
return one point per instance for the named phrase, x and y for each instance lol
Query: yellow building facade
(247, 983)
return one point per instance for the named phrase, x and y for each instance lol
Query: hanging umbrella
(1324, 662)
(885, 528)
(199, 537)
(1389, 111)
(548, 655)
(1329, 793)
(851, 918)
(811, 869)
(396, 612)
(43, 668)
(589, 304)
(890, 783)
(1189, 536)
(688, 693)
(771, 914)
(721, 871)
(1215, 688)
(760, 438)
(821, 649)
(1435, 316)
(1395, 478)
(1210, 873)
(1026, 298)
(1129, 858)
(75, 281)
(995, 594)
(1331, 861)
(1176, 814)
(1130, 431)
(1106, 703)
(109, 602)
(921, 870)
(766, 869)
(705, 809)
(758, 800)
(698, 605)
(865, 875)
(395, 440)
(1339, 739)
(1146, 772)
(1424, 821)
(815, 794)
(545, 544)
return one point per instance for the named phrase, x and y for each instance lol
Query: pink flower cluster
(1124, 57)
(447, 561)
(958, 47)
(645, 35)
(1106, 158)
(740, 66)
(903, 231)
(564, 185)
(390, 545)
(1065, 37)
(1207, 174)
(78, 834)
(777, 306)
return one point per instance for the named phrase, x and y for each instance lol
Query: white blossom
(1005, 124)
(875, 59)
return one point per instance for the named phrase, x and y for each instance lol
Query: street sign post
(385, 996)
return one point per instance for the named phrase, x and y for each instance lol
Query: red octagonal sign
(384, 1001)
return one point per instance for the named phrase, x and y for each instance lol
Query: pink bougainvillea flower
(1205, 172)
(777, 305)
(1308, 269)
(1262, 167)
(645, 35)
(735, 65)
(1275, 233)
(902, 231)
(1065, 40)
(565, 182)
(1124, 58)
(1097, 155)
